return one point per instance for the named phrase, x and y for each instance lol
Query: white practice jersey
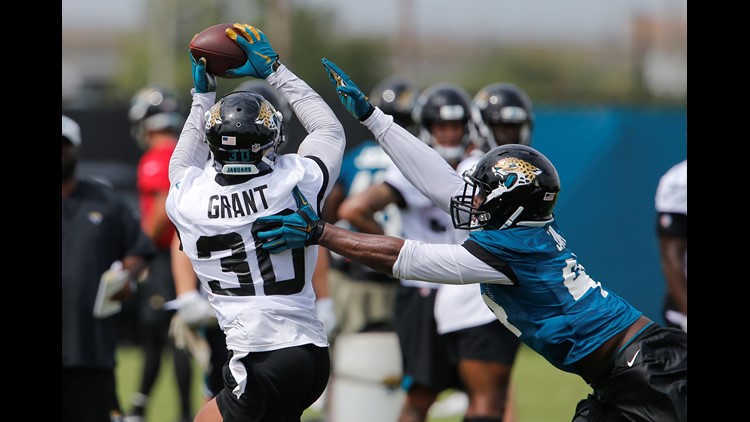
(262, 301)
(460, 306)
(420, 219)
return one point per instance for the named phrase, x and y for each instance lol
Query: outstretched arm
(422, 166)
(376, 251)
(410, 259)
(191, 150)
(326, 139)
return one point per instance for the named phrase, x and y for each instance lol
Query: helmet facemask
(444, 102)
(502, 114)
(154, 109)
(465, 208)
(451, 151)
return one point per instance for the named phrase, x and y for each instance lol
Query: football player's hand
(292, 231)
(350, 95)
(194, 309)
(202, 81)
(262, 59)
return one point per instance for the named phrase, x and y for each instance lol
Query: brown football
(220, 51)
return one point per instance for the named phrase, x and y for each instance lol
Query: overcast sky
(576, 20)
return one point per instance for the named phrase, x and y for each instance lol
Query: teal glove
(297, 230)
(351, 96)
(202, 81)
(262, 59)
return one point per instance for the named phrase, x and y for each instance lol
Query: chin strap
(512, 219)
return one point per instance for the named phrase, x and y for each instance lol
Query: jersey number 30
(237, 263)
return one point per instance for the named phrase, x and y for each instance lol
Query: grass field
(543, 393)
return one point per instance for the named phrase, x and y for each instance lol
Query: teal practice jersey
(553, 305)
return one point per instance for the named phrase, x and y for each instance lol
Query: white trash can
(366, 381)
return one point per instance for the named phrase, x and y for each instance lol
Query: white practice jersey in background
(421, 219)
(460, 306)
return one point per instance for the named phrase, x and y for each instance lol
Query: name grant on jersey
(234, 205)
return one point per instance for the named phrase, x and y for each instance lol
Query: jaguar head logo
(213, 116)
(267, 116)
(513, 172)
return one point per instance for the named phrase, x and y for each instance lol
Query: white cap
(71, 131)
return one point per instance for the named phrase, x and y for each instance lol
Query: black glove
(292, 231)
(350, 95)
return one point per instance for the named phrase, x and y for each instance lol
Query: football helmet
(502, 114)
(396, 96)
(71, 135)
(443, 102)
(154, 108)
(511, 183)
(268, 92)
(244, 131)
(71, 131)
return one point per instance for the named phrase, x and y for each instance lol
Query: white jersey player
(265, 304)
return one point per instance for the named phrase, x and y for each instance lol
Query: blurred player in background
(279, 359)
(503, 114)
(671, 230)
(194, 327)
(364, 299)
(156, 120)
(99, 229)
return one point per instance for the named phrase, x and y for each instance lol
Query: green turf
(542, 392)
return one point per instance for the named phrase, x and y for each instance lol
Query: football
(220, 51)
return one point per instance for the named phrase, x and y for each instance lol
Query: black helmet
(268, 92)
(503, 114)
(244, 132)
(396, 96)
(511, 183)
(154, 108)
(442, 102)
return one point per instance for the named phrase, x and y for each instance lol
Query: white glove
(194, 309)
(188, 338)
(111, 282)
(324, 312)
